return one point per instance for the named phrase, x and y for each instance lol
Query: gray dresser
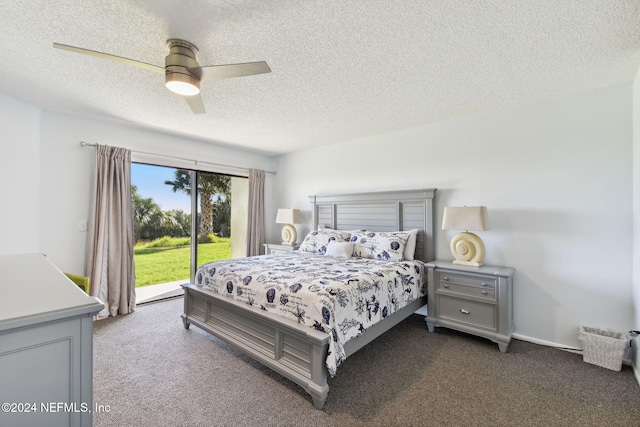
(475, 300)
(46, 345)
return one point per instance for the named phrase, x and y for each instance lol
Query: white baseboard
(546, 343)
(625, 361)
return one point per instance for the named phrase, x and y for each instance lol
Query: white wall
(20, 166)
(48, 176)
(66, 172)
(556, 177)
(636, 218)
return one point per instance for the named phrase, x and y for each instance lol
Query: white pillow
(410, 249)
(317, 241)
(340, 249)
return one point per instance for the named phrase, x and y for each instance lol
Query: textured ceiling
(341, 69)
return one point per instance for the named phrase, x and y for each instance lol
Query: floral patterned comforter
(339, 296)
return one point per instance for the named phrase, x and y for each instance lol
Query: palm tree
(209, 184)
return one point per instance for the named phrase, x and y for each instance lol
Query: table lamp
(288, 217)
(467, 248)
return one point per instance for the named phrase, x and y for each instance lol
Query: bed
(257, 304)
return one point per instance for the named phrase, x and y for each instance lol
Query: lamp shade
(182, 84)
(288, 216)
(465, 218)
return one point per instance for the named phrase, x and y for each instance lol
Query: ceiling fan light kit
(182, 84)
(178, 76)
(182, 72)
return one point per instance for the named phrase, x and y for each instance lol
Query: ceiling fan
(183, 74)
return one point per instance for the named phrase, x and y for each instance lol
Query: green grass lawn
(167, 264)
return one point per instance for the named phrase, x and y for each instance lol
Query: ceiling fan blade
(195, 102)
(218, 72)
(120, 59)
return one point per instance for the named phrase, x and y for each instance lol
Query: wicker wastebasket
(603, 347)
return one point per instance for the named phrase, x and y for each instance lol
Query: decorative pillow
(410, 249)
(316, 241)
(340, 249)
(380, 245)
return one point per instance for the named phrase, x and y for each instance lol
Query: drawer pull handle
(445, 278)
(445, 285)
(484, 292)
(484, 284)
(463, 311)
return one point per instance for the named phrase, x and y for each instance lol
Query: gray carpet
(150, 371)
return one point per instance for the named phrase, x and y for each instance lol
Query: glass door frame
(193, 262)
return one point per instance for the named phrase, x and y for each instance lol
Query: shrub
(209, 238)
(165, 242)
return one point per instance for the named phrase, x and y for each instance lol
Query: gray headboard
(380, 211)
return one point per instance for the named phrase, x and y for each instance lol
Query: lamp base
(467, 249)
(289, 235)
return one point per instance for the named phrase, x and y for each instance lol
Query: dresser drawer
(481, 287)
(473, 313)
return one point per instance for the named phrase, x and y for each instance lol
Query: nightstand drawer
(488, 293)
(473, 313)
(463, 279)
(274, 248)
(481, 287)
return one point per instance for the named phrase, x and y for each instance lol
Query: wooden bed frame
(297, 351)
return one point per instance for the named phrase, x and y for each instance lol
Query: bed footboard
(296, 352)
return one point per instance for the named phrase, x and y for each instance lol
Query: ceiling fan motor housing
(182, 57)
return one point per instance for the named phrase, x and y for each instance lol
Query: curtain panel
(255, 230)
(110, 263)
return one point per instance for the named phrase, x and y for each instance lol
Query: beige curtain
(110, 248)
(255, 230)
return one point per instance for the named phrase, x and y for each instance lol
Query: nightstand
(272, 248)
(475, 300)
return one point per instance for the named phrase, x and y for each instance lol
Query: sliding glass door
(183, 218)
(214, 217)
